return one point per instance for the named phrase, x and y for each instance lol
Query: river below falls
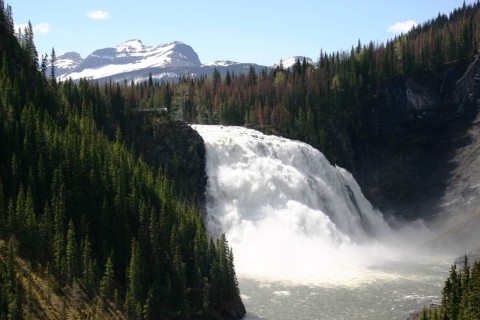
(392, 291)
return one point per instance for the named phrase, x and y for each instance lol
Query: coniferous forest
(460, 295)
(88, 229)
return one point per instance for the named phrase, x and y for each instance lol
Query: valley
(141, 183)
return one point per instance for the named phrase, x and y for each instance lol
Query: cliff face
(413, 148)
(173, 146)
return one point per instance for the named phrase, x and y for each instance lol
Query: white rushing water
(296, 222)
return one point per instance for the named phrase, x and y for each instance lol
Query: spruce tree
(44, 65)
(108, 280)
(53, 61)
(88, 267)
(71, 252)
(30, 45)
(134, 293)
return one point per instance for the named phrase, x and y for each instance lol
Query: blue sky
(251, 31)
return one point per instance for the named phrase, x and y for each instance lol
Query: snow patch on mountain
(221, 63)
(290, 61)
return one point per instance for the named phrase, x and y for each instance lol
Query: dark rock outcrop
(235, 310)
(232, 311)
(173, 146)
(412, 148)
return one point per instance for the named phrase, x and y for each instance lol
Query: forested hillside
(87, 228)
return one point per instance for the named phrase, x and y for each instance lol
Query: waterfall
(286, 211)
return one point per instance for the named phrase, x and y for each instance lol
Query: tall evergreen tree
(53, 61)
(134, 293)
(30, 45)
(71, 252)
(108, 280)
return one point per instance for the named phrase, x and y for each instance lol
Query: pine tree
(8, 15)
(425, 314)
(30, 237)
(20, 211)
(44, 65)
(71, 252)
(179, 284)
(15, 177)
(88, 267)
(11, 217)
(53, 61)
(108, 280)
(59, 236)
(13, 290)
(134, 293)
(472, 296)
(30, 45)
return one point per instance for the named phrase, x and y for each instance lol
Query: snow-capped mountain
(67, 62)
(132, 60)
(127, 57)
(290, 61)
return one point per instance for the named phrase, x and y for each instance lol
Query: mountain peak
(175, 42)
(134, 45)
(71, 55)
(67, 62)
(131, 42)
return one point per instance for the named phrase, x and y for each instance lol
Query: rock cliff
(415, 148)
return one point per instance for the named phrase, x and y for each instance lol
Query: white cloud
(41, 28)
(404, 27)
(98, 15)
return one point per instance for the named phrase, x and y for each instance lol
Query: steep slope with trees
(84, 217)
(460, 295)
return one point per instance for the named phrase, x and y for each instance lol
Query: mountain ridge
(128, 56)
(133, 60)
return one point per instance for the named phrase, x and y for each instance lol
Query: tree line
(460, 295)
(84, 208)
